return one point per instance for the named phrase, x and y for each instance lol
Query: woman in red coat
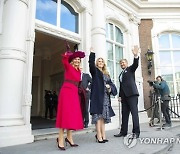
(69, 115)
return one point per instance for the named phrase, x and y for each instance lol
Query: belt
(76, 83)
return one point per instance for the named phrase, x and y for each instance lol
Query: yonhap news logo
(130, 141)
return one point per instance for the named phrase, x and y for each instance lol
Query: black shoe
(105, 140)
(166, 125)
(85, 126)
(120, 135)
(61, 148)
(72, 145)
(99, 140)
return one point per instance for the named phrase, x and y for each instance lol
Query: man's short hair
(123, 60)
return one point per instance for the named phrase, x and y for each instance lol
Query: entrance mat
(42, 123)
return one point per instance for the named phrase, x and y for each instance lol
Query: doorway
(47, 76)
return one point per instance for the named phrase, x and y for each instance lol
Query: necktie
(121, 75)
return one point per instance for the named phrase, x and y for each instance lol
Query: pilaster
(14, 129)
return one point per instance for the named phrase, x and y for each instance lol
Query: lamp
(149, 57)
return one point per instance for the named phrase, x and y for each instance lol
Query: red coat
(69, 114)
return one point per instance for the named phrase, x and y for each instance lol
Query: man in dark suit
(86, 83)
(48, 104)
(128, 95)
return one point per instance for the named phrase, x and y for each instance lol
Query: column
(86, 37)
(98, 29)
(13, 57)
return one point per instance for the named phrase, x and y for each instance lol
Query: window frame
(58, 17)
(171, 65)
(114, 44)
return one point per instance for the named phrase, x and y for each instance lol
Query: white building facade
(31, 41)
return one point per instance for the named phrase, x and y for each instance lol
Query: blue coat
(163, 88)
(97, 88)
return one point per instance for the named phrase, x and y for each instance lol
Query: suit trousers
(129, 105)
(86, 112)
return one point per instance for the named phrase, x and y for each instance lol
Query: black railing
(174, 107)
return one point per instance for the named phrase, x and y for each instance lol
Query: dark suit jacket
(97, 87)
(128, 84)
(86, 79)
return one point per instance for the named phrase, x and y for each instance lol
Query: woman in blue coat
(101, 88)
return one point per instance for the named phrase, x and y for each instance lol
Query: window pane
(175, 41)
(165, 58)
(110, 50)
(46, 10)
(119, 35)
(178, 86)
(177, 78)
(171, 88)
(164, 41)
(118, 53)
(119, 56)
(177, 73)
(167, 74)
(110, 68)
(168, 77)
(118, 70)
(109, 31)
(176, 56)
(69, 18)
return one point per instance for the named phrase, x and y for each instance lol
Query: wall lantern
(149, 57)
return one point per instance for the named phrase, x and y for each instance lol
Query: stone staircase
(44, 134)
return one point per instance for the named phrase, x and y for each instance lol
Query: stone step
(44, 134)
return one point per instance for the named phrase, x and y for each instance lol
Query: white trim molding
(25, 2)
(77, 5)
(65, 34)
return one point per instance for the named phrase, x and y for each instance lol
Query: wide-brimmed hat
(76, 54)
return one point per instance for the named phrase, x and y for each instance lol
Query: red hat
(76, 54)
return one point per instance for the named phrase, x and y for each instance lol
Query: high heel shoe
(105, 140)
(61, 148)
(72, 145)
(98, 140)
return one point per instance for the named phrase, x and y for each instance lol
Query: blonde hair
(104, 69)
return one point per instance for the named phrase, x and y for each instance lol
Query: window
(46, 10)
(69, 18)
(169, 55)
(114, 47)
(58, 13)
